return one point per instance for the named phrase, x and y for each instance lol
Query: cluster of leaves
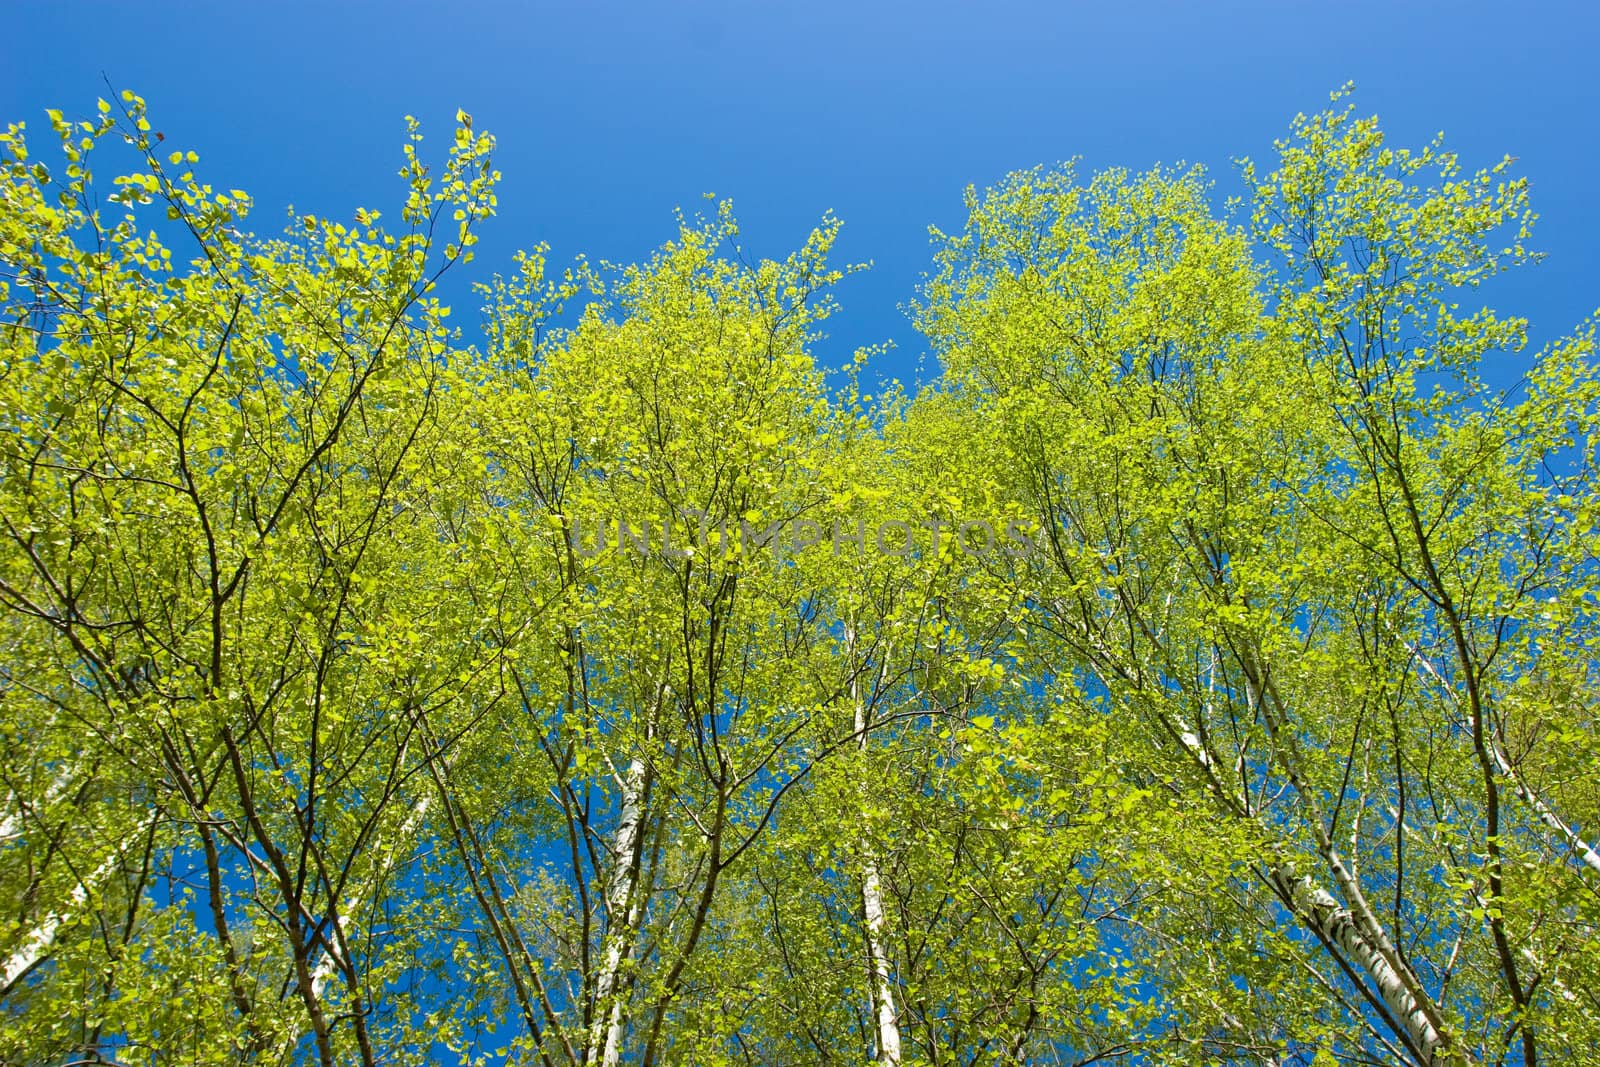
(334, 730)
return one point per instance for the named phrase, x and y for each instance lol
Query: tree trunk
(330, 961)
(622, 909)
(15, 813)
(37, 944)
(1585, 854)
(1337, 924)
(878, 965)
(872, 910)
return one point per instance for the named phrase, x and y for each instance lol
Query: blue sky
(610, 115)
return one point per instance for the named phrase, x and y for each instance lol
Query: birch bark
(874, 917)
(1334, 922)
(622, 908)
(36, 945)
(1580, 848)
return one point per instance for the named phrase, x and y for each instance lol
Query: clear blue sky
(610, 115)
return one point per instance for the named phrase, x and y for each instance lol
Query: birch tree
(1236, 561)
(215, 573)
(644, 467)
(1200, 670)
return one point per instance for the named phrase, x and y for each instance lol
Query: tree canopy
(1200, 670)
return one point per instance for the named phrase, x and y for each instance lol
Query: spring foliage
(336, 731)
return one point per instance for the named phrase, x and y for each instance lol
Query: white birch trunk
(1581, 849)
(330, 961)
(605, 1038)
(874, 917)
(1525, 952)
(1360, 916)
(11, 820)
(36, 946)
(1585, 854)
(1340, 927)
(878, 963)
